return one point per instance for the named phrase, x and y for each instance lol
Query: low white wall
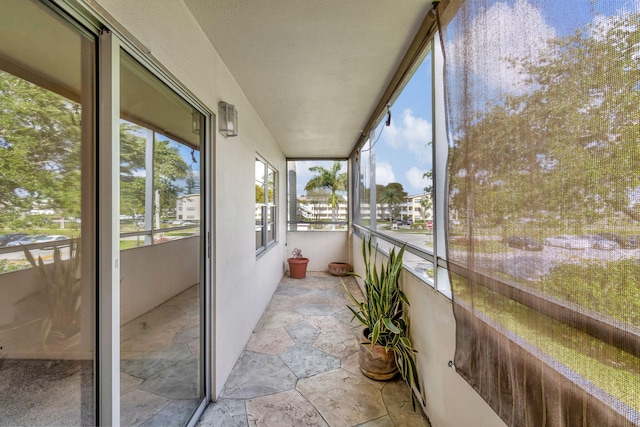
(153, 274)
(450, 399)
(13, 287)
(321, 247)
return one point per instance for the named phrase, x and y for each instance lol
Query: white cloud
(384, 173)
(412, 134)
(503, 32)
(415, 178)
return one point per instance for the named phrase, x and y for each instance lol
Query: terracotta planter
(340, 268)
(298, 267)
(375, 362)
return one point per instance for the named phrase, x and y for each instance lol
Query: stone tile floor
(300, 367)
(159, 366)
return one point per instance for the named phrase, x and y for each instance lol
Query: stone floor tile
(307, 361)
(342, 399)
(281, 303)
(179, 381)
(283, 409)
(155, 340)
(138, 406)
(257, 374)
(271, 341)
(148, 364)
(351, 365)
(278, 319)
(177, 412)
(187, 335)
(302, 333)
(330, 293)
(380, 422)
(324, 323)
(339, 342)
(310, 298)
(315, 310)
(225, 413)
(346, 316)
(128, 382)
(340, 304)
(397, 398)
(292, 290)
(164, 317)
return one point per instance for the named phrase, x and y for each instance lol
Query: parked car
(54, 238)
(599, 242)
(625, 242)
(10, 237)
(568, 241)
(26, 240)
(523, 242)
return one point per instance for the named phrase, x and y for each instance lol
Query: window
(317, 195)
(266, 178)
(394, 167)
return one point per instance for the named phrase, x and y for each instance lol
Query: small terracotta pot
(375, 362)
(340, 268)
(298, 267)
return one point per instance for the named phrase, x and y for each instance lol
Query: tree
(169, 169)
(426, 202)
(332, 180)
(39, 147)
(392, 195)
(570, 146)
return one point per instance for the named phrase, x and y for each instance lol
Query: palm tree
(392, 195)
(329, 179)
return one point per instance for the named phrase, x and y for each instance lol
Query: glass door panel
(161, 240)
(47, 219)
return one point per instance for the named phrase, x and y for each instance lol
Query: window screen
(544, 251)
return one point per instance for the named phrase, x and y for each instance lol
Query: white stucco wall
(243, 284)
(451, 402)
(321, 247)
(153, 274)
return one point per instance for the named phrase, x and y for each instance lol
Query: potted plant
(386, 348)
(297, 265)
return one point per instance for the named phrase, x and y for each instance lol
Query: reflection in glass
(46, 220)
(161, 293)
(266, 189)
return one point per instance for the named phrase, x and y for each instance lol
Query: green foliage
(331, 180)
(39, 147)
(7, 266)
(169, 167)
(392, 195)
(569, 146)
(382, 313)
(611, 289)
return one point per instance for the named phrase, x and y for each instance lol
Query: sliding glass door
(47, 218)
(161, 137)
(102, 224)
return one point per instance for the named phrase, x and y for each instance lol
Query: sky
(402, 150)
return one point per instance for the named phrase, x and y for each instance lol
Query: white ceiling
(314, 70)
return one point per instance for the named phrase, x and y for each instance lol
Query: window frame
(268, 207)
(292, 225)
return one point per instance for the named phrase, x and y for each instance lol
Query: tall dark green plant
(382, 313)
